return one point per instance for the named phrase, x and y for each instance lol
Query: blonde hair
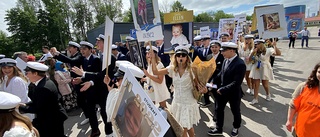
(251, 44)
(16, 72)
(7, 120)
(175, 63)
(262, 50)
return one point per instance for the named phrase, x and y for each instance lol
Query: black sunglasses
(181, 54)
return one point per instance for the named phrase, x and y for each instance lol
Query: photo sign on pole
(226, 26)
(205, 31)
(271, 22)
(134, 114)
(108, 33)
(239, 22)
(146, 19)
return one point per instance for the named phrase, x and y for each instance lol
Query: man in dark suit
(45, 102)
(204, 51)
(229, 89)
(216, 54)
(196, 45)
(118, 55)
(75, 60)
(91, 63)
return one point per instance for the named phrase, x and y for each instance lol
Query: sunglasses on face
(181, 54)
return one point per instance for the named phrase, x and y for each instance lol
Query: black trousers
(221, 102)
(292, 40)
(93, 98)
(272, 60)
(81, 100)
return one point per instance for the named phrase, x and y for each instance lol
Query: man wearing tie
(229, 89)
(204, 51)
(305, 36)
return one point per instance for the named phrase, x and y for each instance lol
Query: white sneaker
(110, 135)
(98, 113)
(85, 121)
(250, 91)
(254, 101)
(268, 97)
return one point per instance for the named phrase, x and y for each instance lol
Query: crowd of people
(44, 91)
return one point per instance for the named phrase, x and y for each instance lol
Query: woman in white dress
(261, 69)
(155, 84)
(184, 106)
(13, 124)
(13, 81)
(244, 53)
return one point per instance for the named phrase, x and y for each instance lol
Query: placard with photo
(136, 55)
(135, 115)
(227, 26)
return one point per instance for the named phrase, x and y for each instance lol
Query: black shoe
(215, 132)
(205, 105)
(234, 132)
(95, 134)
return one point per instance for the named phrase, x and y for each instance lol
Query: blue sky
(198, 6)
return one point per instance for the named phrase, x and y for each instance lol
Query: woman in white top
(261, 69)
(184, 106)
(13, 81)
(155, 84)
(244, 53)
(13, 124)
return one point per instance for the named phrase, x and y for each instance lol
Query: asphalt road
(266, 119)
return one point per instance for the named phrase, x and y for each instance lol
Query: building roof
(312, 19)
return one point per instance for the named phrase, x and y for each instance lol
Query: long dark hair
(312, 79)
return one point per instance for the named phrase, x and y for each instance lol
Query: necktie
(227, 64)
(205, 52)
(85, 64)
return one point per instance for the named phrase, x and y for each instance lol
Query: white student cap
(72, 43)
(155, 49)
(228, 45)
(114, 46)
(205, 37)
(100, 37)
(248, 36)
(7, 62)
(197, 38)
(36, 66)
(256, 41)
(8, 102)
(85, 43)
(129, 38)
(182, 49)
(213, 42)
(224, 34)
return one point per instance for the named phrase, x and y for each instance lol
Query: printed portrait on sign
(176, 34)
(136, 54)
(227, 26)
(271, 21)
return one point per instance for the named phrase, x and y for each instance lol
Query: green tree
(127, 16)
(203, 17)
(177, 6)
(221, 15)
(249, 17)
(6, 44)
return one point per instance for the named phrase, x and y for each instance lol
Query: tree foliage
(177, 6)
(203, 17)
(220, 15)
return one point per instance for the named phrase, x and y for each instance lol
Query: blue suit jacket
(200, 53)
(165, 58)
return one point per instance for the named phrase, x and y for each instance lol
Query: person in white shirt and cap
(100, 44)
(155, 85)
(305, 36)
(13, 124)
(125, 48)
(197, 41)
(46, 55)
(45, 102)
(229, 88)
(2, 56)
(261, 69)
(245, 54)
(182, 76)
(118, 55)
(13, 81)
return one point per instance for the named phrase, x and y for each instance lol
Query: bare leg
(256, 88)
(145, 15)
(191, 132)
(185, 130)
(248, 80)
(142, 17)
(265, 84)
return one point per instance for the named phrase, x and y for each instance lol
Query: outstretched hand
(85, 86)
(78, 71)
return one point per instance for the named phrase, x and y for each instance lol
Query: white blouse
(19, 131)
(17, 86)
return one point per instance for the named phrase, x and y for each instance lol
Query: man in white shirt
(46, 55)
(305, 36)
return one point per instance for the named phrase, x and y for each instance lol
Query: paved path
(266, 119)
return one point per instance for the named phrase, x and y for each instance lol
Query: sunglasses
(181, 54)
